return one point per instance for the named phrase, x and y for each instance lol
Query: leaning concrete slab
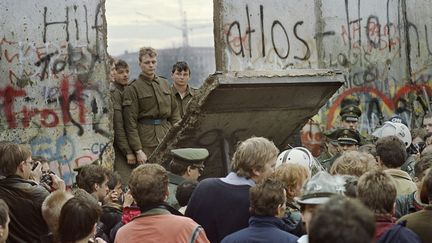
(233, 106)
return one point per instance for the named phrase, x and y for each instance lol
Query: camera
(46, 178)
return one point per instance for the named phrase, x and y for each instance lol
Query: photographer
(23, 195)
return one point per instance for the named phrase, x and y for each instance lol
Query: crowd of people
(376, 188)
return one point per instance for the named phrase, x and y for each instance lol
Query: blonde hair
(253, 154)
(291, 175)
(146, 51)
(354, 163)
(51, 208)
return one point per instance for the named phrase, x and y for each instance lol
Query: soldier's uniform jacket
(182, 103)
(120, 139)
(173, 182)
(149, 111)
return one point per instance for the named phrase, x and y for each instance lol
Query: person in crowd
(391, 154)
(183, 194)
(267, 207)
(149, 107)
(292, 176)
(418, 141)
(221, 205)
(186, 164)
(181, 89)
(124, 157)
(348, 140)
(350, 185)
(420, 222)
(329, 145)
(402, 132)
(51, 208)
(353, 163)
(23, 196)
(94, 179)
(376, 189)
(350, 117)
(112, 206)
(410, 203)
(369, 148)
(77, 222)
(149, 188)
(342, 220)
(301, 156)
(315, 192)
(4, 221)
(427, 122)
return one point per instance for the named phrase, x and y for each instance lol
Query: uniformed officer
(149, 107)
(186, 164)
(347, 140)
(183, 93)
(330, 145)
(125, 159)
(350, 116)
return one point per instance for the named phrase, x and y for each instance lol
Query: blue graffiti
(64, 148)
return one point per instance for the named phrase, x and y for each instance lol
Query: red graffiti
(47, 116)
(388, 102)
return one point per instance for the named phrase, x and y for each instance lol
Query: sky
(157, 23)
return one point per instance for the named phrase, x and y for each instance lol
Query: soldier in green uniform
(149, 107)
(350, 116)
(186, 164)
(330, 145)
(348, 140)
(183, 93)
(125, 159)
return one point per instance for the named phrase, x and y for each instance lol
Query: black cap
(350, 113)
(348, 136)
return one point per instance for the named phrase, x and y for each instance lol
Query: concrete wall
(53, 80)
(383, 47)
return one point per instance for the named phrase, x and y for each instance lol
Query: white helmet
(297, 155)
(394, 129)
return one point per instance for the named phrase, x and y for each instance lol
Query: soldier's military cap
(350, 113)
(332, 135)
(190, 155)
(348, 136)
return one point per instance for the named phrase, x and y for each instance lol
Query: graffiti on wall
(53, 89)
(383, 48)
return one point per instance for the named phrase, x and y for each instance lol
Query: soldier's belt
(147, 121)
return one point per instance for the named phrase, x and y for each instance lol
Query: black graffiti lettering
(58, 66)
(427, 40)
(343, 60)
(46, 24)
(411, 27)
(374, 21)
(262, 29)
(86, 21)
(277, 22)
(76, 24)
(45, 60)
(249, 31)
(241, 51)
(308, 53)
